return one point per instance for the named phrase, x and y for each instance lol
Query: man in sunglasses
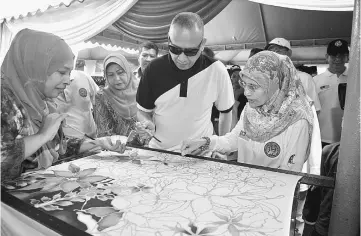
(177, 91)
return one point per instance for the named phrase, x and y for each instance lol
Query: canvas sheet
(152, 193)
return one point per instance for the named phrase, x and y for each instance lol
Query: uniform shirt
(310, 88)
(182, 100)
(331, 114)
(284, 151)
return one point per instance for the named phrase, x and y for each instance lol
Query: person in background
(148, 52)
(77, 101)
(283, 47)
(276, 126)
(177, 91)
(238, 91)
(327, 83)
(254, 51)
(115, 109)
(35, 70)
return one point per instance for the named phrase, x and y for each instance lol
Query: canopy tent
(232, 27)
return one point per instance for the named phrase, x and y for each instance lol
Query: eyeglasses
(251, 87)
(190, 52)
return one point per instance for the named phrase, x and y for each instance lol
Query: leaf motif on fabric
(45, 199)
(233, 230)
(100, 211)
(69, 186)
(51, 208)
(86, 172)
(64, 203)
(73, 168)
(93, 178)
(62, 173)
(120, 203)
(110, 220)
(201, 205)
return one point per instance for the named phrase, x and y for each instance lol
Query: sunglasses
(190, 52)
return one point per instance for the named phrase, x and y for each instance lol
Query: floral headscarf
(287, 101)
(123, 102)
(32, 57)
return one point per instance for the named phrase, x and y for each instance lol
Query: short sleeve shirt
(310, 88)
(331, 114)
(182, 100)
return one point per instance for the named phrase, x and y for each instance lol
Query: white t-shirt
(310, 88)
(331, 114)
(182, 101)
(284, 151)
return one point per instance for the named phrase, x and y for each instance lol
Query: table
(144, 192)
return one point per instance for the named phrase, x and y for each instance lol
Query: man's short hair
(149, 45)
(188, 20)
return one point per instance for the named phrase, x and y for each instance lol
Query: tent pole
(345, 215)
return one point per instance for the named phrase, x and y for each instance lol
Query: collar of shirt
(138, 73)
(328, 73)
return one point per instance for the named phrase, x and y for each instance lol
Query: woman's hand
(191, 146)
(107, 144)
(50, 125)
(220, 156)
(145, 128)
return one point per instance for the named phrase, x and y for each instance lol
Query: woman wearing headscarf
(276, 126)
(115, 108)
(35, 70)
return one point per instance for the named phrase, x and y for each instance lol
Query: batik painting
(152, 193)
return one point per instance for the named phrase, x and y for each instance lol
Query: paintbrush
(147, 131)
(68, 126)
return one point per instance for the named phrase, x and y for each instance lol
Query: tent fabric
(150, 20)
(318, 5)
(75, 24)
(26, 8)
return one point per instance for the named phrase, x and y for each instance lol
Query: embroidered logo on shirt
(338, 43)
(290, 161)
(82, 92)
(272, 149)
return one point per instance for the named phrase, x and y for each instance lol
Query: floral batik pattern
(157, 194)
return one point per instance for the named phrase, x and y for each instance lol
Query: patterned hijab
(122, 101)
(32, 57)
(287, 101)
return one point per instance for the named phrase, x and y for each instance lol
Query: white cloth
(285, 151)
(318, 5)
(79, 96)
(14, 223)
(310, 88)
(75, 23)
(331, 114)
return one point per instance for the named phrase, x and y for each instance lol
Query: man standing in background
(148, 52)
(330, 117)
